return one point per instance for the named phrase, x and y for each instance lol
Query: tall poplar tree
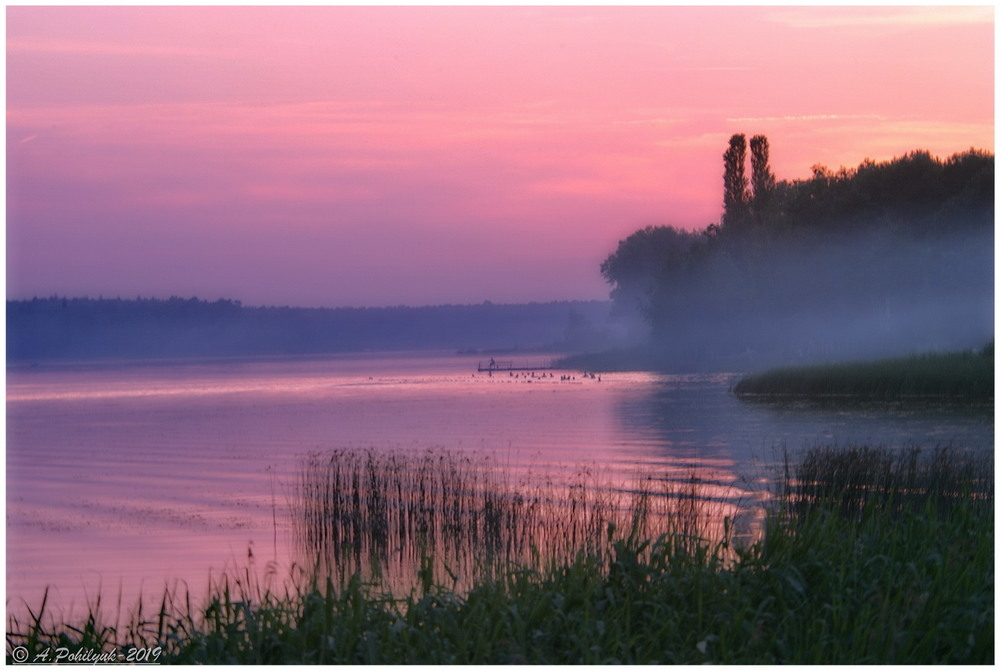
(735, 200)
(761, 176)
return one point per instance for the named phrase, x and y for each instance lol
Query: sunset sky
(333, 156)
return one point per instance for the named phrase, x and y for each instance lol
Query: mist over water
(805, 300)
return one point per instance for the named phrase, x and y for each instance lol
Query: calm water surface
(132, 477)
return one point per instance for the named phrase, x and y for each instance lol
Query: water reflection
(740, 446)
(696, 418)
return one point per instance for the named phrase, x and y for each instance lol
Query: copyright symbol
(19, 654)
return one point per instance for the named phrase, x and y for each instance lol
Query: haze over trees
(884, 259)
(141, 328)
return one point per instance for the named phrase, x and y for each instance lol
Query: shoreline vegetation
(865, 555)
(966, 376)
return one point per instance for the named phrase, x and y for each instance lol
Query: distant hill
(59, 328)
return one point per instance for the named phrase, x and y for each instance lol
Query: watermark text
(64, 655)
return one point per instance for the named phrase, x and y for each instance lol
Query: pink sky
(328, 156)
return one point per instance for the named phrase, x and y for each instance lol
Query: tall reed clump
(858, 481)
(389, 513)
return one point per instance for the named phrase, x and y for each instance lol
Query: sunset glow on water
(143, 475)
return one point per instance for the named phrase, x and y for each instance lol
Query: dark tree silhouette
(735, 201)
(642, 260)
(762, 178)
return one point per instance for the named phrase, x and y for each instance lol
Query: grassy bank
(962, 376)
(867, 556)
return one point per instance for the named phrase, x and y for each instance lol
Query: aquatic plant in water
(389, 513)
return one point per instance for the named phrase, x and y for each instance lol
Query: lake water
(129, 478)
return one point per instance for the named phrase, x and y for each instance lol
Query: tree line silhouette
(881, 259)
(141, 328)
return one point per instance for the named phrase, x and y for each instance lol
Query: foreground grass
(963, 375)
(901, 574)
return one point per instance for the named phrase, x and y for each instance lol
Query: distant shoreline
(84, 329)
